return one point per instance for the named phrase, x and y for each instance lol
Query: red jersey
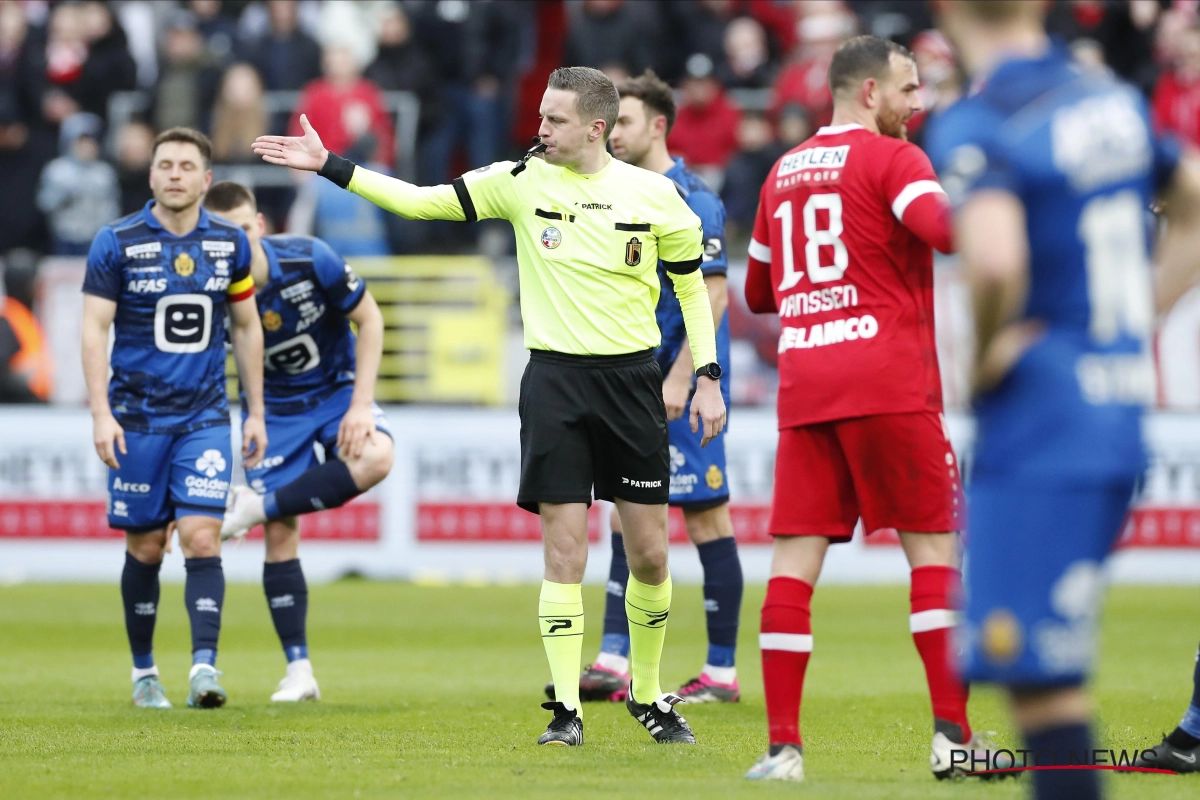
(843, 251)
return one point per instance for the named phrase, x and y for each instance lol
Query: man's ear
(660, 125)
(262, 223)
(870, 92)
(598, 128)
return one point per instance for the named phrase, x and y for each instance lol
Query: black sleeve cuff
(464, 200)
(338, 170)
(682, 267)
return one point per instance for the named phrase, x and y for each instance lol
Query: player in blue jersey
(1053, 169)
(165, 276)
(698, 482)
(320, 390)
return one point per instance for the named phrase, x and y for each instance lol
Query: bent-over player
(319, 388)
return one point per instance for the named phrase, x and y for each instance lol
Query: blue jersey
(708, 207)
(168, 360)
(307, 343)
(1076, 148)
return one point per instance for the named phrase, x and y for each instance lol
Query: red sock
(786, 643)
(936, 596)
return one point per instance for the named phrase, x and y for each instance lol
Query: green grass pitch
(434, 691)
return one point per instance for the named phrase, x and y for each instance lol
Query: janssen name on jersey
(168, 357)
(307, 342)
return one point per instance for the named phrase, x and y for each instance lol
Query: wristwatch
(712, 370)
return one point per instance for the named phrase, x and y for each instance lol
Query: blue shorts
(169, 475)
(698, 479)
(1034, 579)
(291, 439)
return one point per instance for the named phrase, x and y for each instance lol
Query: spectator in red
(805, 81)
(706, 125)
(1176, 103)
(348, 110)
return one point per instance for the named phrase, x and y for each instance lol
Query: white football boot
(244, 512)
(786, 765)
(977, 755)
(299, 684)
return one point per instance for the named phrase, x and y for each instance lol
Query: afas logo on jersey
(147, 285)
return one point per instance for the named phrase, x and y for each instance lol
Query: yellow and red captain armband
(241, 290)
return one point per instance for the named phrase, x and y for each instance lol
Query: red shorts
(894, 470)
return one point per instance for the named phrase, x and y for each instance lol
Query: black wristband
(337, 169)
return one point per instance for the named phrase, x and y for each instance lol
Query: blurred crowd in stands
(84, 86)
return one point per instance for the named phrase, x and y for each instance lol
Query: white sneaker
(788, 765)
(299, 684)
(950, 760)
(244, 512)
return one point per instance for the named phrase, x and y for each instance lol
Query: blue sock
(327, 486)
(204, 594)
(139, 592)
(616, 622)
(1070, 744)
(722, 598)
(287, 597)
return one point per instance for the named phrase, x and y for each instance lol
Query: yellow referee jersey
(588, 248)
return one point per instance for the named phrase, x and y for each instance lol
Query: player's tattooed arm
(994, 249)
(1178, 266)
(358, 424)
(247, 335)
(107, 434)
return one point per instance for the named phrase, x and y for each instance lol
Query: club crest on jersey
(184, 265)
(633, 252)
(272, 321)
(551, 238)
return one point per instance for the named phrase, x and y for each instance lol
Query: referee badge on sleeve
(633, 252)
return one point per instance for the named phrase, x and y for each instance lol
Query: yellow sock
(647, 608)
(560, 611)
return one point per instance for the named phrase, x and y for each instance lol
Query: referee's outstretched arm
(391, 194)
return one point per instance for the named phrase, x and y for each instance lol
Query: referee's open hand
(298, 152)
(708, 407)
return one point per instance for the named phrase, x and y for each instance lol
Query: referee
(590, 232)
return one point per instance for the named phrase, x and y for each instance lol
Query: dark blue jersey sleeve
(966, 156)
(711, 211)
(340, 283)
(241, 269)
(103, 277)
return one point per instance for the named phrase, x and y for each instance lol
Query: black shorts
(593, 421)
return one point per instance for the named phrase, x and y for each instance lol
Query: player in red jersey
(843, 252)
